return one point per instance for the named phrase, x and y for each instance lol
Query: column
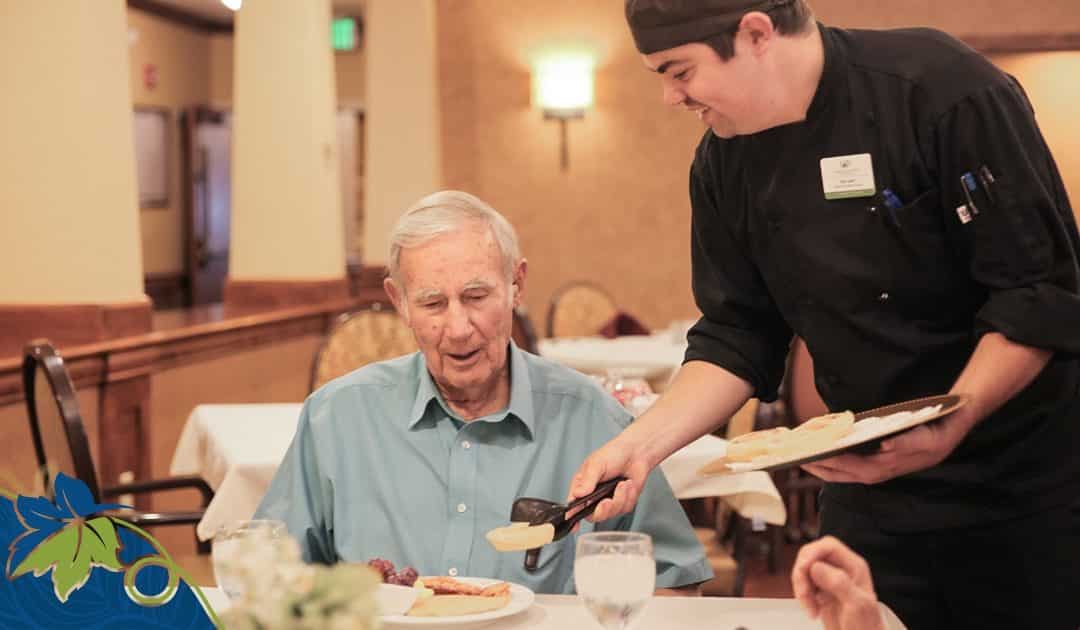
(402, 135)
(287, 231)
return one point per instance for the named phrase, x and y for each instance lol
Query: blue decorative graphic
(69, 566)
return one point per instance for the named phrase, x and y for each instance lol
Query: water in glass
(615, 575)
(233, 547)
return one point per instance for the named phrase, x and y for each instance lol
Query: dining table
(237, 448)
(566, 612)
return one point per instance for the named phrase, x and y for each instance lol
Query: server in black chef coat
(888, 197)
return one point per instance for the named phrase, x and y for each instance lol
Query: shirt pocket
(917, 274)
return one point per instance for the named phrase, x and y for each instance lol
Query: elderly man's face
(459, 305)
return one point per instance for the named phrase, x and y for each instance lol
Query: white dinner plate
(871, 426)
(520, 599)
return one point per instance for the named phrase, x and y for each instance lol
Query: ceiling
(214, 11)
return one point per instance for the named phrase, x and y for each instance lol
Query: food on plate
(454, 598)
(520, 536)
(456, 605)
(405, 577)
(817, 433)
(756, 443)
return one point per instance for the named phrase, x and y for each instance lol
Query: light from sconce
(563, 85)
(563, 89)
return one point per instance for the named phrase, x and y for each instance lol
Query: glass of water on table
(615, 576)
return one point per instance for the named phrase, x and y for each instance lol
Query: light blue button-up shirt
(380, 467)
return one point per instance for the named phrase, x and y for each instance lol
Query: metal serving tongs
(539, 511)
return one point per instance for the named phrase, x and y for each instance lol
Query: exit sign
(345, 34)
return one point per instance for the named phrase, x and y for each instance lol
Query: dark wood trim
(266, 294)
(1023, 42)
(166, 290)
(365, 277)
(70, 324)
(115, 360)
(180, 17)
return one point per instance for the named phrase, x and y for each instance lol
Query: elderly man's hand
(833, 582)
(917, 449)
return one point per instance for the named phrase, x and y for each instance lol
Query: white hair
(445, 212)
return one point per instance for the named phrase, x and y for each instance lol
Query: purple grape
(385, 567)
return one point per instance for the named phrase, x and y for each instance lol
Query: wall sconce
(563, 89)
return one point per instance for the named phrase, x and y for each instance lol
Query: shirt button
(873, 208)
(884, 297)
(461, 508)
(466, 445)
(452, 572)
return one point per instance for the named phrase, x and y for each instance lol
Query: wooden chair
(523, 332)
(373, 333)
(579, 309)
(61, 445)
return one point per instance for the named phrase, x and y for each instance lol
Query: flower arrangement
(274, 589)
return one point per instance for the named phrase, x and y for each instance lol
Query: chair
(523, 333)
(61, 445)
(373, 333)
(579, 309)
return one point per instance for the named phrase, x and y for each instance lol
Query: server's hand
(615, 458)
(917, 449)
(833, 582)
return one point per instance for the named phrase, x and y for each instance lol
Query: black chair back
(60, 441)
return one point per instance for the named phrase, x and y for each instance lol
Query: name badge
(848, 176)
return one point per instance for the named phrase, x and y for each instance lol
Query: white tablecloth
(653, 357)
(565, 612)
(237, 449)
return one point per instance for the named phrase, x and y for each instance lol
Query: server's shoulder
(940, 68)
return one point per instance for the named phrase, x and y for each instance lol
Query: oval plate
(863, 439)
(520, 599)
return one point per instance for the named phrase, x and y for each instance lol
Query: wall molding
(71, 324)
(1022, 42)
(265, 294)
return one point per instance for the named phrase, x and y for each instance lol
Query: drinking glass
(615, 575)
(241, 549)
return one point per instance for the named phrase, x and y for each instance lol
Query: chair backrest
(373, 333)
(579, 309)
(56, 425)
(523, 332)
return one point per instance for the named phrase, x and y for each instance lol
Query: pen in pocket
(987, 178)
(892, 204)
(967, 184)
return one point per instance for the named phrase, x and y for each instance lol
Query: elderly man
(415, 459)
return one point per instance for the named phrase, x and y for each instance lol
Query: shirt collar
(831, 72)
(521, 402)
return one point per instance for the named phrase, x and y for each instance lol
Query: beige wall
(619, 215)
(182, 58)
(1050, 82)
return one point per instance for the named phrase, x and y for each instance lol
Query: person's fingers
(586, 478)
(834, 552)
(833, 581)
(802, 586)
(621, 502)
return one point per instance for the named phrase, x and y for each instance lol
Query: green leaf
(72, 552)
